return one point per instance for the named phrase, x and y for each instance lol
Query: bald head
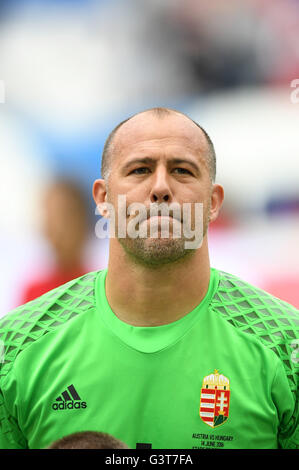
(129, 127)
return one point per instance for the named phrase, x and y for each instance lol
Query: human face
(160, 160)
(64, 224)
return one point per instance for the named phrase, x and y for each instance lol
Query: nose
(160, 191)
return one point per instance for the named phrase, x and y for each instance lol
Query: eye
(182, 171)
(140, 171)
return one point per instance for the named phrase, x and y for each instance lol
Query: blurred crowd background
(70, 70)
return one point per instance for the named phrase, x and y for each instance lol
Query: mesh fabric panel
(31, 321)
(254, 311)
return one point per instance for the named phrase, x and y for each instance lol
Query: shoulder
(248, 298)
(30, 322)
(260, 315)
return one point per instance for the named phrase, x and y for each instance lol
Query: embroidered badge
(214, 399)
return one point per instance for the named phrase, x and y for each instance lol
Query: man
(88, 440)
(65, 227)
(159, 349)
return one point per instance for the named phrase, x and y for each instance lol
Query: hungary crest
(214, 399)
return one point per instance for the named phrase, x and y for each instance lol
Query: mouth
(160, 217)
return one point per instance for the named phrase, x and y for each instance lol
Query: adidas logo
(69, 400)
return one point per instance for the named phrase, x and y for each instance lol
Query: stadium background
(70, 70)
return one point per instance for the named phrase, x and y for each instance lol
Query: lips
(158, 215)
(161, 217)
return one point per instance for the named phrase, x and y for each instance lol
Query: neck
(68, 264)
(143, 296)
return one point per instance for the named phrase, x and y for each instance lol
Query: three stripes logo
(69, 400)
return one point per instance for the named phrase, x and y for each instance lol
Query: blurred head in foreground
(88, 440)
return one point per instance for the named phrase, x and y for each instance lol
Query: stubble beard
(157, 252)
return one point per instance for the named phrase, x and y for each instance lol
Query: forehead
(147, 132)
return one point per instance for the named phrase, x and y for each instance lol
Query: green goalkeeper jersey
(223, 376)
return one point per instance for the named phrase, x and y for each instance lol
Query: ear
(99, 192)
(217, 198)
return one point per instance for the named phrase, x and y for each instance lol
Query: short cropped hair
(159, 112)
(72, 189)
(88, 440)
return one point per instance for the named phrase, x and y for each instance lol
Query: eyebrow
(149, 161)
(180, 161)
(135, 161)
